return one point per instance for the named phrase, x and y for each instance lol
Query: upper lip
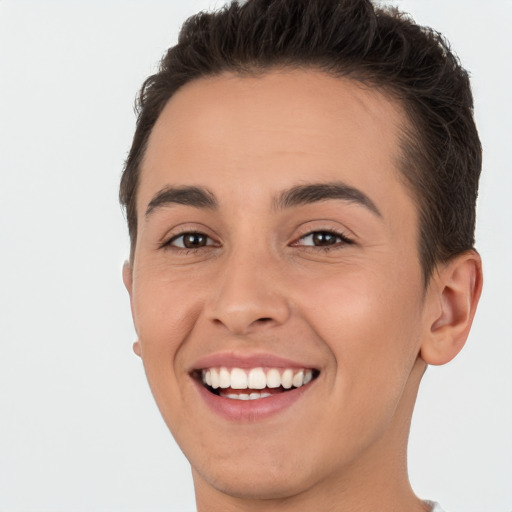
(239, 360)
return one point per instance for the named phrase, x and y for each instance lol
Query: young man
(300, 196)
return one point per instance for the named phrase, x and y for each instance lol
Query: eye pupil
(193, 240)
(324, 238)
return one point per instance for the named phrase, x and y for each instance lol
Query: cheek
(371, 324)
(163, 317)
(164, 308)
(165, 312)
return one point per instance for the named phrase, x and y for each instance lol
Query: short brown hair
(441, 152)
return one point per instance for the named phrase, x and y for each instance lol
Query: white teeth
(215, 378)
(238, 379)
(273, 378)
(287, 379)
(298, 379)
(255, 395)
(256, 379)
(224, 378)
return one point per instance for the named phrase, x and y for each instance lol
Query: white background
(78, 427)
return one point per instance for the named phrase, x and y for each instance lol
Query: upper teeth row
(256, 378)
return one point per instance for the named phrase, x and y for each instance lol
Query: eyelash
(343, 240)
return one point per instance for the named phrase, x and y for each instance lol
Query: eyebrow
(316, 192)
(197, 197)
(201, 197)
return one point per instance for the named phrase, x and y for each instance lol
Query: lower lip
(251, 410)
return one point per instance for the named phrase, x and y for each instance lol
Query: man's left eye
(190, 241)
(323, 239)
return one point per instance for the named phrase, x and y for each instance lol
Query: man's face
(276, 243)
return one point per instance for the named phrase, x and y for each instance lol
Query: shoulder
(435, 507)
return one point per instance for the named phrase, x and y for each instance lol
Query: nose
(249, 296)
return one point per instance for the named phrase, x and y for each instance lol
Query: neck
(377, 480)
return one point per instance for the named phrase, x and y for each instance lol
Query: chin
(255, 483)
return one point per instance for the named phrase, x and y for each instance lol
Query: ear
(453, 295)
(128, 277)
(128, 283)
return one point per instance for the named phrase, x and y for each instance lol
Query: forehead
(253, 131)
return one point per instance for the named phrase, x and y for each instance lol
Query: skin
(359, 312)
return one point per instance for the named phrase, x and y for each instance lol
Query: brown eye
(190, 241)
(324, 238)
(320, 239)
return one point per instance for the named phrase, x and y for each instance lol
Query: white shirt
(435, 506)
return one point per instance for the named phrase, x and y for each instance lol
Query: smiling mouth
(254, 383)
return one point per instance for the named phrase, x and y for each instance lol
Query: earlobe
(137, 348)
(128, 276)
(455, 294)
(128, 282)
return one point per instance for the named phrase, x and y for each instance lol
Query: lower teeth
(246, 396)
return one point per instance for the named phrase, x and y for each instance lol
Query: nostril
(264, 320)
